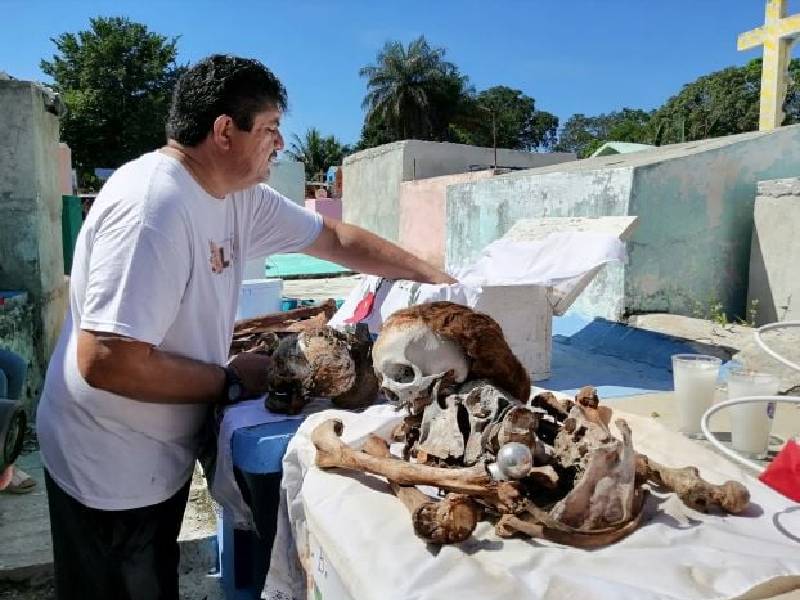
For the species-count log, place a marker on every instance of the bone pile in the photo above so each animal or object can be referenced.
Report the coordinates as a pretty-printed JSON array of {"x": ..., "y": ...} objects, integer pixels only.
[
  {"x": 258, "y": 333},
  {"x": 309, "y": 358},
  {"x": 542, "y": 468},
  {"x": 320, "y": 361}
]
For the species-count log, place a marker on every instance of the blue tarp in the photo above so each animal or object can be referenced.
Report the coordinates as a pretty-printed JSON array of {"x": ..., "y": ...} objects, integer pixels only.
[{"x": 616, "y": 359}]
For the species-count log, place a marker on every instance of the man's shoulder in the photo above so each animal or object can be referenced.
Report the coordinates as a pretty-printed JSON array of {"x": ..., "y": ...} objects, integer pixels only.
[
  {"x": 150, "y": 172},
  {"x": 146, "y": 190}
]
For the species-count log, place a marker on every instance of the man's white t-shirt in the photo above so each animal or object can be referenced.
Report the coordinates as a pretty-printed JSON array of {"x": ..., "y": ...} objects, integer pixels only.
[{"x": 158, "y": 260}]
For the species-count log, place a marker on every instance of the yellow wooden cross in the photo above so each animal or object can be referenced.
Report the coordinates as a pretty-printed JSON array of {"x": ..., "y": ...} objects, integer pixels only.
[{"x": 777, "y": 35}]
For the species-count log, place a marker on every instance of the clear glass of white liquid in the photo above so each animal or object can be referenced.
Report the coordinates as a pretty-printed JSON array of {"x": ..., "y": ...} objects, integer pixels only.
[
  {"x": 695, "y": 379},
  {"x": 751, "y": 423}
]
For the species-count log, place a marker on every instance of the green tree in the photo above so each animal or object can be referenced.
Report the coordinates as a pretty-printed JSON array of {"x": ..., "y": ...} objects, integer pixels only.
[
  {"x": 412, "y": 93},
  {"x": 317, "y": 152},
  {"x": 583, "y": 135},
  {"x": 722, "y": 103},
  {"x": 116, "y": 80},
  {"x": 374, "y": 132},
  {"x": 510, "y": 118}
]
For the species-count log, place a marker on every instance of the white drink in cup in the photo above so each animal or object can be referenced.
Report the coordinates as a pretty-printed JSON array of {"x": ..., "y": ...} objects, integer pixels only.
[
  {"x": 695, "y": 379},
  {"x": 751, "y": 423}
]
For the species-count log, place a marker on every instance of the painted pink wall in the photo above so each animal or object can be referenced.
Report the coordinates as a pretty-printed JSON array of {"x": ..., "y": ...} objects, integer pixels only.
[
  {"x": 423, "y": 205},
  {"x": 327, "y": 207}
]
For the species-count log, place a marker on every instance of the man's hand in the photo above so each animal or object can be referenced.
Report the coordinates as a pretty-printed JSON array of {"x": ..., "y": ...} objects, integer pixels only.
[
  {"x": 442, "y": 277},
  {"x": 253, "y": 369}
]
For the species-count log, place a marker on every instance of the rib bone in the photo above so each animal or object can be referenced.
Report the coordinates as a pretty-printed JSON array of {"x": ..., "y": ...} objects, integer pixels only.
[{"x": 538, "y": 524}]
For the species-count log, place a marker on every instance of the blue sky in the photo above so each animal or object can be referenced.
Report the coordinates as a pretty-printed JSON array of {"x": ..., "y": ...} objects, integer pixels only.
[{"x": 588, "y": 56}]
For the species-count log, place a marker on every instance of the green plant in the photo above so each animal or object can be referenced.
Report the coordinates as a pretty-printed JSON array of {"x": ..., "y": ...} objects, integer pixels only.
[
  {"x": 714, "y": 311},
  {"x": 717, "y": 314}
]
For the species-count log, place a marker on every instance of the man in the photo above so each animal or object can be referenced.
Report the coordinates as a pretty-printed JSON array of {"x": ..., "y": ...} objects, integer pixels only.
[{"x": 154, "y": 288}]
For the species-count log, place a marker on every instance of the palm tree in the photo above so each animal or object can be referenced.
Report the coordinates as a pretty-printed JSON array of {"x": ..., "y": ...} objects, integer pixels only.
[
  {"x": 317, "y": 152},
  {"x": 412, "y": 91}
]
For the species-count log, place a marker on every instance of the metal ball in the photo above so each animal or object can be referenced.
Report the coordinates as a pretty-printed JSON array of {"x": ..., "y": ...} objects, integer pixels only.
[{"x": 515, "y": 460}]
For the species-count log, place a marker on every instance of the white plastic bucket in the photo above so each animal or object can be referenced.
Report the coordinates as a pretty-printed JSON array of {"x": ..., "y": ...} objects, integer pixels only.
[{"x": 259, "y": 297}]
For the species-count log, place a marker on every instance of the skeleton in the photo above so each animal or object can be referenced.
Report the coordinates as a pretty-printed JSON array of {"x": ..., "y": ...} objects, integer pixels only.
[
  {"x": 424, "y": 350},
  {"x": 585, "y": 486}
]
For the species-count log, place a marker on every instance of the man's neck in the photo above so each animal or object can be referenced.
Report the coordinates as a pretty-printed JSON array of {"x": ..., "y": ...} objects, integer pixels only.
[{"x": 200, "y": 166}]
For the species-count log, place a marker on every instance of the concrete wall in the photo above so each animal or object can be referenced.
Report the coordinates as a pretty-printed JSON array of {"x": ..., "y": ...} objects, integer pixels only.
[
  {"x": 288, "y": 177},
  {"x": 31, "y": 254},
  {"x": 327, "y": 207},
  {"x": 694, "y": 201},
  {"x": 423, "y": 214},
  {"x": 774, "y": 274},
  {"x": 371, "y": 189},
  {"x": 481, "y": 212},
  {"x": 372, "y": 178}
]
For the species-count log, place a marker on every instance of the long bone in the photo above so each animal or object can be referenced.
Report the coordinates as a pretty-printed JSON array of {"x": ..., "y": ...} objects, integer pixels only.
[
  {"x": 693, "y": 490},
  {"x": 448, "y": 521},
  {"x": 502, "y": 496}
]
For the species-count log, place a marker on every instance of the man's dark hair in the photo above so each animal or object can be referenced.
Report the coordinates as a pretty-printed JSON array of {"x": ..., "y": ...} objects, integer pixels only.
[{"x": 221, "y": 85}]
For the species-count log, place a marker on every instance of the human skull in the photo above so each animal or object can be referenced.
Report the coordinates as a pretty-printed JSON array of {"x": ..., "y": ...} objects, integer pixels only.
[{"x": 410, "y": 359}]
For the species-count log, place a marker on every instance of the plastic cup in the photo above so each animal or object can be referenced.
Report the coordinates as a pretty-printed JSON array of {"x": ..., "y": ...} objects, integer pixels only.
[
  {"x": 695, "y": 381},
  {"x": 751, "y": 423}
]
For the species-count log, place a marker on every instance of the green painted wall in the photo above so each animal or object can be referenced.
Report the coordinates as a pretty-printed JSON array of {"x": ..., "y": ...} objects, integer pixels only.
[{"x": 695, "y": 207}]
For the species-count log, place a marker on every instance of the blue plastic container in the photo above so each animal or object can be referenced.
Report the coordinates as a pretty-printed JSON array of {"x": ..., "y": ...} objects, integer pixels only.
[{"x": 289, "y": 304}]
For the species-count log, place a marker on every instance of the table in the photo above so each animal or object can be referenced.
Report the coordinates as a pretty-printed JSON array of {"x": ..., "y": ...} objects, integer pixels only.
[{"x": 257, "y": 454}]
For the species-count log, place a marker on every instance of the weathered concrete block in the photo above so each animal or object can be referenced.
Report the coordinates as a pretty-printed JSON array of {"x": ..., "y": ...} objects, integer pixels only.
[
  {"x": 372, "y": 178},
  {"x": 288, "y": 177},
  {"x": 31, "y": 253},
  {"x": 423, "y": 214},
  {"x": 774, "y": 275},
  {"x": 695, "y": 207},
  {"x": 525, "y": 316}
]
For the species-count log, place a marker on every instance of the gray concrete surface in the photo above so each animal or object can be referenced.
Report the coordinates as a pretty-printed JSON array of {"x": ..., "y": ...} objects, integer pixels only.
[
  {"x": 774, "y": 252},
  {"x": 288, "y": 177},
  {"x": 732, "y": 341},
  {"x": 31, "y": 253}
]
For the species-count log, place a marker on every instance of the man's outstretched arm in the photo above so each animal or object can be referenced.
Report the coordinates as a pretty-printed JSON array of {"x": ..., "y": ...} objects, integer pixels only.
[{"x": 365, "y": 252}]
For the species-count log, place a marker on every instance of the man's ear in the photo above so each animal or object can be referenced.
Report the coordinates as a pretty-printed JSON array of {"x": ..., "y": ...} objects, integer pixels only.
[{"x": 221, "y": 131}]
